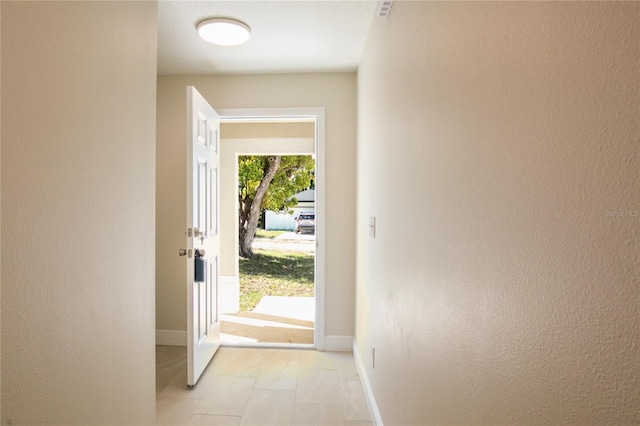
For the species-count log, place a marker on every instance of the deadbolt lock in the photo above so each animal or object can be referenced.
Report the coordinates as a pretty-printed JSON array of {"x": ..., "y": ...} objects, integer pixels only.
[{"x": 197, "y": 233}]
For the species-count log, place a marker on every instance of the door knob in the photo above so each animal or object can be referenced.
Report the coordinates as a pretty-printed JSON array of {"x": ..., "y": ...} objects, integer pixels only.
[
  {"x": 199, "y": 234},
  {"x": 182, "y": 252}
]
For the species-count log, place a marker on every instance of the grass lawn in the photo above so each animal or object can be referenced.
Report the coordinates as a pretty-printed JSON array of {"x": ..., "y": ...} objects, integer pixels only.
[
  {"x": 262, "y": 233},
  {"x": 275, "y": 273}
]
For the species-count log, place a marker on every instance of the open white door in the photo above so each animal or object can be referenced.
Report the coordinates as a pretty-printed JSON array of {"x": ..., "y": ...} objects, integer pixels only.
[{"x": 203, "y": 239}]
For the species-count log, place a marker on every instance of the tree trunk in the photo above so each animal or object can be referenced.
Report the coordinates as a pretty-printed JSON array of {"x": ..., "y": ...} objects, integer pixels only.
[{"x": 250, "y": 208}]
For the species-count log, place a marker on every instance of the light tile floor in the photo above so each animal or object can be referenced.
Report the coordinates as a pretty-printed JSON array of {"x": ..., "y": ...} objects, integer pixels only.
[{"x": 245, "y": 386}]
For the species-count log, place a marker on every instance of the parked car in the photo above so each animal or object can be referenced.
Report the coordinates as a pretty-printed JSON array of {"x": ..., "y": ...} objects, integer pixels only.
[{"x": 306, "y": 222}]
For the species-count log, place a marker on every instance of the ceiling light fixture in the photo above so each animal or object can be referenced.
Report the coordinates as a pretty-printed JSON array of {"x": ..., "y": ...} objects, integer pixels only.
[{"x": 224, "y": 31}]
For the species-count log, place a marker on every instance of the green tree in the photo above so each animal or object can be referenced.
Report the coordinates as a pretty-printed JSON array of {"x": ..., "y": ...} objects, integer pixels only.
[{"x": 268, "y": 182}]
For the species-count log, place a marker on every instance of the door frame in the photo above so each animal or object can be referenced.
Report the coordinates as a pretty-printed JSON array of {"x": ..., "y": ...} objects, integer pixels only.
[{"x": 318, "y": 115}]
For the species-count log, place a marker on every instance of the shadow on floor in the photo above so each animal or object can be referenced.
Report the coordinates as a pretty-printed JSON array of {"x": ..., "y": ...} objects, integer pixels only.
[{"x": 245, "y": 327}]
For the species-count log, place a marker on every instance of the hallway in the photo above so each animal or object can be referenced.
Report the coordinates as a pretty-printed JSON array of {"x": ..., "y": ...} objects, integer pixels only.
[{"x": 261, "y": 386}]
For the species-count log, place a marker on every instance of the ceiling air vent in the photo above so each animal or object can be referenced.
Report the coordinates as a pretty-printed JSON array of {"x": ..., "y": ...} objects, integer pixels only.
[{"x": 385, "y": 7}]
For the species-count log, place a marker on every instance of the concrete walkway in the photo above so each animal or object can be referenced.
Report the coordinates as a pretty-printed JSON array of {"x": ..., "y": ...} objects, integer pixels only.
[
  {"x": 288, "y": 241},
  {"x": 276, "y": 319},
  {"x": 292, "y": 236}
]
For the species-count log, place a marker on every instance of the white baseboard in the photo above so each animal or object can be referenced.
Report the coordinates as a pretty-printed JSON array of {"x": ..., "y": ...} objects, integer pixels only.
[
  {"x": 338, "y": 343},
  {"x": 171, "y": 337},
  {"x": 366, "y": 387}
]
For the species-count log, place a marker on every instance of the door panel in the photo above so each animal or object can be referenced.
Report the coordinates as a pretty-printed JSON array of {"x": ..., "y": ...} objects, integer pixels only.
[{"x": 203, "y": 323}]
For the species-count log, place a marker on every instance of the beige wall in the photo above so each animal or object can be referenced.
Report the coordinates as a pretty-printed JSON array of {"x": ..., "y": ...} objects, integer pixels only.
[
  {"x": 245, "y": 130},
  {"x": 78, "y": 171},
  {"x": 337, "y": 93},
  {"x": 510, "y": 131}
]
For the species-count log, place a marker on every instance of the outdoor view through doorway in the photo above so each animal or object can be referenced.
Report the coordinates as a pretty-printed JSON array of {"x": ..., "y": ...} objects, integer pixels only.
[{"x": 276, "y": 240}]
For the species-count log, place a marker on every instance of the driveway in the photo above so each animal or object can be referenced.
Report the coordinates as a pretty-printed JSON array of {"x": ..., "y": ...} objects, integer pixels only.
[{"x": 288, "y": 241}]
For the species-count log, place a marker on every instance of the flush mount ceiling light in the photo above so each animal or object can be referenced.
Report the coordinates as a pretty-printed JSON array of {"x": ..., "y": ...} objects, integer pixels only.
[{"x": 224, "y": 31}]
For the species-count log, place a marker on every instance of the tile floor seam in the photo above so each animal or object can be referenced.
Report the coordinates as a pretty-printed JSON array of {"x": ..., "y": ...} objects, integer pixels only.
[{"x": 343, "y": 403}]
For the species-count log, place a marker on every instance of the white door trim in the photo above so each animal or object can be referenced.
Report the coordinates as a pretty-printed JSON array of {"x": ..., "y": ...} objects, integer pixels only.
[{"x": 252, "y": 114}]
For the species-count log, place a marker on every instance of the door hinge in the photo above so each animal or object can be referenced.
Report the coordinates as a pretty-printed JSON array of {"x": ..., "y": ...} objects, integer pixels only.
[{"x": 189, "y": 232}]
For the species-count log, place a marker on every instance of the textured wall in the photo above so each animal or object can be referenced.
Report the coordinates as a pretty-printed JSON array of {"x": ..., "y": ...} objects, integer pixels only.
[
  {"x": 78, "y": 171},
  {"x": 242, "y": 130},
  {"x": 511, "y": 131},
  {"x": 334, "y": 91}
]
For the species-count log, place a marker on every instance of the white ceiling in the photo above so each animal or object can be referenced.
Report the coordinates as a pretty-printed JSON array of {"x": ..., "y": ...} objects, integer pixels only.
[{"x": 286, "y": 36}]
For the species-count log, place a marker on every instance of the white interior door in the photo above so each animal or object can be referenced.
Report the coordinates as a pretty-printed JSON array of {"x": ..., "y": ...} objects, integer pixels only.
[{"x": 203, "y": 239}]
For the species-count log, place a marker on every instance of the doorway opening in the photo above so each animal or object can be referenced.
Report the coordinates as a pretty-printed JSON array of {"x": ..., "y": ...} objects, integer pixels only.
[
  {"x": 277, "y": 244},
  {"x": 278, "y": 317}
]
